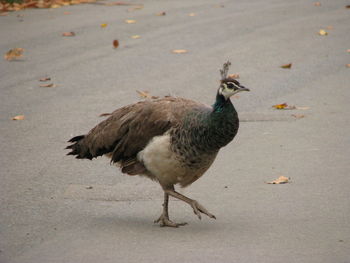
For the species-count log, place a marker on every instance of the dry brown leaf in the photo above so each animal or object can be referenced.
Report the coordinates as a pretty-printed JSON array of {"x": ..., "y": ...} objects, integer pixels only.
[
  {"x": 348, "y": 65},
  {"x": 115, "y": 43},
  {"x": 50, "y": 85},
  {"x": 233, "y": 76},
  {"x": 347, "y": 6},
  {"x": 161, "y": 14},
  {"x": 192, "y": 14},
  {"x": 105, "y": 114},
  {"x": 287, "y": 65},
  {"x": 103, "y": 25},
  {"x": 317, "y": 4},
  {"x": 322, "y": 32},
  {"x": 68, "y": 34},
  {"x": 135, "y": 37},
  {"x": 130, "y": 21},
  {"x": 14, "y": 53},
  {"x": 179, "y": 51},
  {"x": 284, "y": 106},
  {"x": 146, "y": 95},
  {"x": 18, "y": 118},
  {"x": 298, "y": 116},
  {"x": 280, "y": 180},
  {"x": 45, "y": 79}
]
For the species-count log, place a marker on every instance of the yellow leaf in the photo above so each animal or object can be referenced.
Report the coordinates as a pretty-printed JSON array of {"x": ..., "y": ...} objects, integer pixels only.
[
  {"x": 179, "y": 51},
  {"x": 18, "y": 118},
  {"x": 280, "y": 180},
  {"x": 322, "y": 33},
  {"x": 233, "y": 76},
  {"x": 135, "y": 37},
  {"x": 14, "y": 53},
  {"x": 287, "y": 65},
  {"x": 103, "y": 25},
  {"x": 130, "y": 21}
]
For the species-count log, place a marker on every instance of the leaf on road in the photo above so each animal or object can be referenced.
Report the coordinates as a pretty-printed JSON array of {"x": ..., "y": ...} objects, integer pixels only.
[
  {"x": 322, "y": 32},
  {"x": 118, "y": 3},
  {"x": 179, "y": 51},
  {"x": 68, "y": 34},
  {"x": 233, "y": 76},
  {"x": 161, "y": 14},
  {"x": 298, "y": 116},
  {"x": 287, "y": 65},
  {"x": 14, "y": 53},
  {"x": 146, "y": 95},
  {"x": 130, "y": 21},
  {"x": 284, "y": 106},
  {"x": 45, "y": 79},
  {"x": 317, "y": 4},
  {"x": 103, "y": 25},
  {"x": 347, "y": 6},
  {"x": 115, "y": 43},
  {"x": 18, "y": 118},
  {"x": 192, "y": 14},
  {"x": 348, "y": 65},
  {"x": 280, "y": 180},
  {"x": 135, "y": 37},
  {"x": 50, "y": 85}
]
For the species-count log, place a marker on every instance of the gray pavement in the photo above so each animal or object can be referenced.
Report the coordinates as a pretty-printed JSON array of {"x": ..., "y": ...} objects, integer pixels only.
[{"x": 47, "y": 214}]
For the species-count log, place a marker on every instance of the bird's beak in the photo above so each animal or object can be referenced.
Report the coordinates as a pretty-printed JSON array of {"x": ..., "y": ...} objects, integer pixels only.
[{"x": 242, "y": 88}]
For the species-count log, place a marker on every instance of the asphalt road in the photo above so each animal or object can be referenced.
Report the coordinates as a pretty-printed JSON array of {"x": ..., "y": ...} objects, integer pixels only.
[{"x": 49, "y": 214}]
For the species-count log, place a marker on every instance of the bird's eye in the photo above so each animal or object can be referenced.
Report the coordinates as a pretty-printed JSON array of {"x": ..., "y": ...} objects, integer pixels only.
[{"x": 230, "y": 85}]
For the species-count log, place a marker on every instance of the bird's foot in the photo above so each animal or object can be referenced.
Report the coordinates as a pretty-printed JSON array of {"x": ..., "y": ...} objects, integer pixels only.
[
  {"x": 198, "y": 209},
  {"x": 164, "y": 220}
]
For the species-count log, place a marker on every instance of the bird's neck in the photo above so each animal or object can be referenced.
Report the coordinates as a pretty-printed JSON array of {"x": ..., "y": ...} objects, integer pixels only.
[{"x": 222, "y": 104}]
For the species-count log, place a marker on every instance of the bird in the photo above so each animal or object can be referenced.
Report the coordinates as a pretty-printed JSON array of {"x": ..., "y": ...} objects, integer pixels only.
[{"x": 170, "y": 140}]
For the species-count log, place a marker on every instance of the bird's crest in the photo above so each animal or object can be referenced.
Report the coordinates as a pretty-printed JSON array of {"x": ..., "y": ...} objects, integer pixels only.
[{"x": 224, "y": 70}]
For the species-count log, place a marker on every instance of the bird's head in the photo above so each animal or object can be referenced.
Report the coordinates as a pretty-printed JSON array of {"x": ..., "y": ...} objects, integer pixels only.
[{"x": 230, "y": 87}]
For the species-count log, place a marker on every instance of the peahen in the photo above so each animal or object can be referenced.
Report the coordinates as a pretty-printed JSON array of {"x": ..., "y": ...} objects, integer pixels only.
[{"x": 170, "y": 140}]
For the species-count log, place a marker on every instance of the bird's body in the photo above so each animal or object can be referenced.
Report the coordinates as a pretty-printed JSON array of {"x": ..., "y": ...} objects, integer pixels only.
[{"x": 170, "y": 140}]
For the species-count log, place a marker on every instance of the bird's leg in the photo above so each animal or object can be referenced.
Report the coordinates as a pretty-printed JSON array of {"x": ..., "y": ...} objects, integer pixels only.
[
  {"x": 197, "y": 208},
  {"x": 164, "y": 220}
]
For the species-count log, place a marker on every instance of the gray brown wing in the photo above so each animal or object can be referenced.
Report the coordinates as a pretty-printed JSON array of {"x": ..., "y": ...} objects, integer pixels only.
[{"x": 128, "y": 130}]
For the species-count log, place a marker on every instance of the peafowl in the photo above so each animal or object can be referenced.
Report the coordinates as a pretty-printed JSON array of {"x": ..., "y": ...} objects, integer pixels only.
[{"x": 171, "y": 140}]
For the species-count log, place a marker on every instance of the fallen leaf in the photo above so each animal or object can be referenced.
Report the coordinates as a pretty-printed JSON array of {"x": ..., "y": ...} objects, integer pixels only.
[
  {"x": 287, "y": 65},
  {"x": 298, "y": 116},
  {"x": 322, "y": 33},
  {"x": 135, "y": 37},
  {"x": 192, "y": 14},
  {"x": 105, "y": 114},
  {"x": 14, "y": 53},
  {"x": 284, "y": 106},
  {"x": 146, "y": 95},
  {"x": 161, "y": 14},
  {"x": 348, "y": 65},
  {"x": 130, "y": 21},
  {"x": 347, "y": 6},
  {"x": 18, "y": 118},
  {"x": 280, "y": 180},
  {"x": 233, "y": 76},
  {"x": 115, "y": 43},
  {"x": 179, "y": 51},
  {"x": 103, "y": 25},
  {"x": 317, "y": 4},
  {"x": 118, "y": 3},
  {"x": 68, "y": 34},
  {"x": 45, "y": 79},
  {"x": 50, "y": 85}
]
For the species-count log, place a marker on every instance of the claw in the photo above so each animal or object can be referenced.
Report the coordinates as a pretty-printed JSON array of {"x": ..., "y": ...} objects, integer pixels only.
[
  {"x": 198, "y": 208},
  {"x": 165, "y": 221}
]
